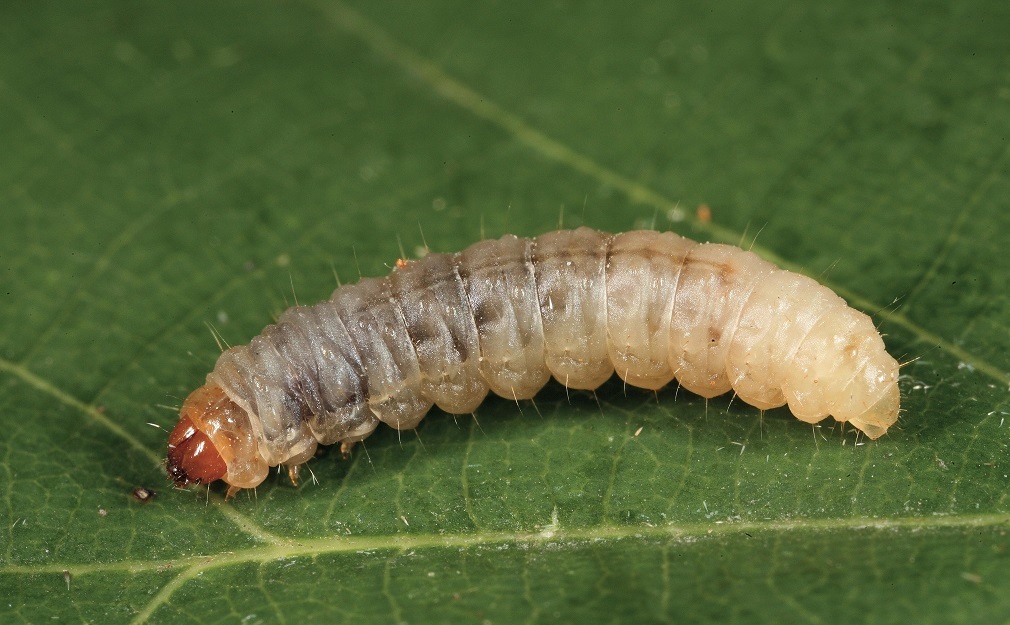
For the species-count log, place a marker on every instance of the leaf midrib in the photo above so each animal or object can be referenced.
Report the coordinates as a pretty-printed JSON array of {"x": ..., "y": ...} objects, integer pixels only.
[{"x": 274, "y": 548}]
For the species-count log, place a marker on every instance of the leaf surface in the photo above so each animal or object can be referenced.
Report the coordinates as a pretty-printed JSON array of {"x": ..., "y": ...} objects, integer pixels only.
[{"x": 173, "y": 166}]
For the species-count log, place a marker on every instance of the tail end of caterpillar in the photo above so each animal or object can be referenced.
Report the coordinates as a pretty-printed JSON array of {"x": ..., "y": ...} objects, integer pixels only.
[{"x": 880, "y": 416}]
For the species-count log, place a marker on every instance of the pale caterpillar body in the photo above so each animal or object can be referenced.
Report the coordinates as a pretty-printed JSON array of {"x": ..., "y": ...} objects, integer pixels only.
[{"x": 505, "y": 315}]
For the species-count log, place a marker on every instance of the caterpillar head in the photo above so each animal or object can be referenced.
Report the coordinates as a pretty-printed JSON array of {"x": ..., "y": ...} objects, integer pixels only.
[{"x": 213, "y": 441}]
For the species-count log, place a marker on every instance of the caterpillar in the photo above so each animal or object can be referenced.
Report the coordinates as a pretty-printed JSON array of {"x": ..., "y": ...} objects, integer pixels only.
[{"x": 504, "y": 316}]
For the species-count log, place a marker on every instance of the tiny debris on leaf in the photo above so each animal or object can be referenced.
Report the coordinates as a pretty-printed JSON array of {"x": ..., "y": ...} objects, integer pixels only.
[{"x": 143, "y": 494}]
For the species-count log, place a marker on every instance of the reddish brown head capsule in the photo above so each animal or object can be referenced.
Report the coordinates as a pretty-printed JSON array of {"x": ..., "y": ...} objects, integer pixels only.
[
  {"x": 214, "y": 441},
  {"x": 192, "y": 457}
]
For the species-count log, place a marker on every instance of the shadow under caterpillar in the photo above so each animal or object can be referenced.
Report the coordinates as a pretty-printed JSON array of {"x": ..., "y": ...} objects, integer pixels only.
[{"x": 507, "y": 314}]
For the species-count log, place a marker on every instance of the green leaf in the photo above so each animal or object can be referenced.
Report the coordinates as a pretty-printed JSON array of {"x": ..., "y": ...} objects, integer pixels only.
[{"x": 172, "y": 166}]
